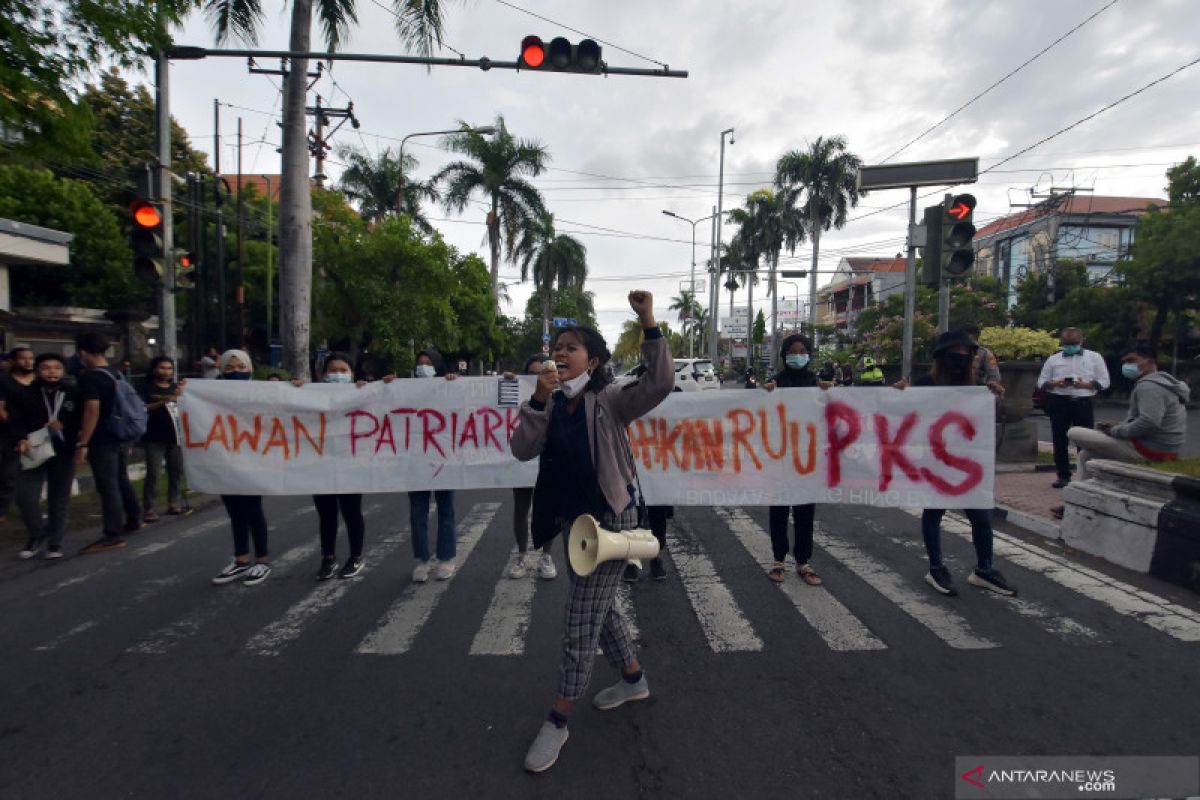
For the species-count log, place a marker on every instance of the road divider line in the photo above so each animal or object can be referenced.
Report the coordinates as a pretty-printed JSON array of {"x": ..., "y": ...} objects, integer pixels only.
[
  {"x": 406, "y": 617},
  {"x": 833, "y": 622},
  {"x": 725, "y": 626},
  {"x": 945, "y": 624}
]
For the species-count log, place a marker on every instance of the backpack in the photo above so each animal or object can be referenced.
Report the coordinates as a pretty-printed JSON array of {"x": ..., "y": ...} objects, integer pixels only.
[{"x": 127, "y": 421}]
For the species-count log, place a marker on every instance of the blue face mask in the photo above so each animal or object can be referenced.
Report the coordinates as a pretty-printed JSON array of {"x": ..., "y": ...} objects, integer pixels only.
[
  {"x": 339, "y": 377},
  {"x": 1130, "y": 371},
  {"x": 797, "y": 361},
  {"x": 1072, "y": 349},
  {"x": 236, "y": 376}
]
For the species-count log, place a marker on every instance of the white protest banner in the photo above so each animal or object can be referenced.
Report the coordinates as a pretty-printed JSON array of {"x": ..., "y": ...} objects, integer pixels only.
[{"x": 923, "y": 447}]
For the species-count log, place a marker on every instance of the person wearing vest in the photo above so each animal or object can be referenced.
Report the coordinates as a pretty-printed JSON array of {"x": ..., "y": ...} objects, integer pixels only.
[
  {"x": 1070, "y": 378},
  {"x": 869, "y": 373}
]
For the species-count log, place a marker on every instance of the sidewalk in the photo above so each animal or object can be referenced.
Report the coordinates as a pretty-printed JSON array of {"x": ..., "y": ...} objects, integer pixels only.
[{"x": 1025, "y": 500}]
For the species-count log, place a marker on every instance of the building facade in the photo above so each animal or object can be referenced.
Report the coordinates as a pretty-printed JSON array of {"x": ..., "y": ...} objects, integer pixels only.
[{"x": 859, "y": 283}]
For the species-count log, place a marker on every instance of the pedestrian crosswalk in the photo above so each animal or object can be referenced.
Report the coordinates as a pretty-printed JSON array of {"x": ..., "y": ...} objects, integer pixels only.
[{"x": 855, "y": 611}]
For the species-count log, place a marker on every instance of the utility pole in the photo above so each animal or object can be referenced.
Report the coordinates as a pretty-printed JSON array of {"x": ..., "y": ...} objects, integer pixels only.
[
  {"x": 222, "y": 341},
  {"x": 166, "y": 314},
  {"x": 318, "y": 141},
  {"x": 241, "y": 246},
  {"x": 712, "y": 337}
]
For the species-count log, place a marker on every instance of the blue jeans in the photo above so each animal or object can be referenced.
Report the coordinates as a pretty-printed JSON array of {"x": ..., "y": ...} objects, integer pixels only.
[
  {"x": 981, "y": 535},
  {"x": 418, "y": 516}
]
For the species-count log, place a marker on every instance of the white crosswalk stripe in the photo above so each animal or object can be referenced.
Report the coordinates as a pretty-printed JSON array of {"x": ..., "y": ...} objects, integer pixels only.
[
  {"x": 271, "y": 640},
  {"x": 725, "y": 626},
  {"x": 1162, "y": 615},
  {"x": 835, "y": 623},
  {"x": 408, "y": 615},
  {"x": 508, "y": 615},
  {"x": 947, "y": 625}
]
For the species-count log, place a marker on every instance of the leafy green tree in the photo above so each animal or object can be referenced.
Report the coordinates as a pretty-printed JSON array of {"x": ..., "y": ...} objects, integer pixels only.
[
  {"x": 101, "y": 270},
  {"x": 498, "y": 168},
  {"x": 48, "y": 49},
  {"x": 478, "y": 334},
  {"x": 1183, "y": 183},
  {"x": 1037, "y": 291},
  {"x": 376, "y": 184},
  {"x": 760, "y": 328}
]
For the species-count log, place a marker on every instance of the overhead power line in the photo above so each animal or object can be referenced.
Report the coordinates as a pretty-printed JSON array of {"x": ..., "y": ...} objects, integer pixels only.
[{"x": 581, "y": 33}]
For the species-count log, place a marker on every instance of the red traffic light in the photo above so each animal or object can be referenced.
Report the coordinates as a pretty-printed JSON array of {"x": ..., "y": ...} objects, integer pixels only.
[
  {"x": 145, "y": 214},
  {"x": 533, "y": 52},
  {"x": 961, "y": 207},
  {"x": 185, "y": 261}
]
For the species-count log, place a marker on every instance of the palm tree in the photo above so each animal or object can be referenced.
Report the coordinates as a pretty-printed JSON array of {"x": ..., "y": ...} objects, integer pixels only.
[
  {"x": 689, "y": 313},
  {"x": 419, "y": 26},
  {"x": 498, "y": 169},
  {"x": 553, "y": 259},
  {"x": 827, "y": 173},
  {"x": 377, "y": 184},
  {"x": 781, "y": 225}
]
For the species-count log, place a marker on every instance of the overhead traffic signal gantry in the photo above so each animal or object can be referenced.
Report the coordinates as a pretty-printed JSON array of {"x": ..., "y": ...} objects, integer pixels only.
[{"x": 561, "y": 55}]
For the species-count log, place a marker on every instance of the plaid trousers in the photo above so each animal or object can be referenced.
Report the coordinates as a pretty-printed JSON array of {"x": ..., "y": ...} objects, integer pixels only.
[{"x": 592, "y": 618}]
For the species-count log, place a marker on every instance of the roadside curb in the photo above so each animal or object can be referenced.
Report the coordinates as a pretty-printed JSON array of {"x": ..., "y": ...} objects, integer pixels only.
[{"x": 1030, "y": 523}]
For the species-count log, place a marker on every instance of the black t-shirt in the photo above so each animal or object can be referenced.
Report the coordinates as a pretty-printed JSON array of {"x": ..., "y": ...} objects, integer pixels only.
[
  {"x": 10, "y": 390},
  {"x": 159, "y": 425},
  {"x": 94, "y": 386}
]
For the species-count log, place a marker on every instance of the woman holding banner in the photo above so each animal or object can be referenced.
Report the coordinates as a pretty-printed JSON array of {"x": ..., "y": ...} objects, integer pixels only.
[
  {"x": 796, "y": 353},
  {"x": 576, "y": 422},
  {"x": 245, "y": 511},
  {"x": 339, "y": 368},
  {"x": 953, "y": 365},
  {"x": 430, "y": 364}
]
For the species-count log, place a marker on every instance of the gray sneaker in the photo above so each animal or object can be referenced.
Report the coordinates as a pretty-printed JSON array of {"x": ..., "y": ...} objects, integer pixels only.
[
  {"x": 544, "y": 750},
  {"x": 620, "y": 693}
]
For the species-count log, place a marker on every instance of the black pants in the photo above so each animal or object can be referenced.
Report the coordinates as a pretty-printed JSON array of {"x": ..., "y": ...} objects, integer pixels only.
[
  {"x": 118, "y": 503},
  {"x": 522, "y": 502},
  {"x": 327, "y": 514},
  {"x": 1066, "y": 413},
  {"x": 658, "y": 525},
  {"x": 10, "y": 469},
  {"x": 804, "y": 531},
  {"x": 56, "y": 475},
  {"x": 247, "y": 520}
]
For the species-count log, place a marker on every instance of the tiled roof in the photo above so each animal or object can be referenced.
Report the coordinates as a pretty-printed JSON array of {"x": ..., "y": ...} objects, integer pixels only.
[
  {"x": 259, "y": 182},
  {"x": 1074, "y": 205}
]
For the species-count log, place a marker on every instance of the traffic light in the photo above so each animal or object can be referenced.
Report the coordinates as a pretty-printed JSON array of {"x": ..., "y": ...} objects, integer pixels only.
[
  {"x": 185, "y": 269},
  {"x": 561, "y": 56},
  {"x": 957, "y": 255},
  {"x": 146, "y": 240},
  {"x": 931, "y": 253}
]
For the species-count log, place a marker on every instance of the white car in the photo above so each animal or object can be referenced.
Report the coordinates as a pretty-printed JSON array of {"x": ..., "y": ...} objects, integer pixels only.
[{"x": 695, "y": 375}]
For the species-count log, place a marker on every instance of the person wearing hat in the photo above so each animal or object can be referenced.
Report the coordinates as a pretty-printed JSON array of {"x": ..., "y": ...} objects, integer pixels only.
[
  {"x": 954, "y": 365},
  {"x": 796, "y": 353}
]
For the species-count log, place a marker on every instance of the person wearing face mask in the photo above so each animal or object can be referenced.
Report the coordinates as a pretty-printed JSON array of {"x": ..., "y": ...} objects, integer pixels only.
[
  {"x": 954, "y": 365},
  {"x": 160, "y": 444},
  {"x": 430, "y": 364},
  {"x": 523, "y": 500},
  {"x": 13, "y": 384},
  {"x": 51, "y": 404},
  {"x": 1155, "y": 428},
  {"x": 1071, "y": 377},
  {"x": 338, "y": 369},
  {"x": 796, "y": 352},
  {"x": 576, "y": 423},
  {"x": 246, "y": 518}
]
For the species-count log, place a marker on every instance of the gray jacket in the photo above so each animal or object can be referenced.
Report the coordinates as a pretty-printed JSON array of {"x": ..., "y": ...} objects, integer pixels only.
[
  {"x": 612, "y": 409},
  {"x": 1157, "y": 413}
]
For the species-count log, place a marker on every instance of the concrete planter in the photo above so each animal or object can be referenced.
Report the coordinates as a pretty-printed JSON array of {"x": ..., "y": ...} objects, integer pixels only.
[
  {"x": 1020, "y": 380},
  {"x": 1138, "y": 518}
]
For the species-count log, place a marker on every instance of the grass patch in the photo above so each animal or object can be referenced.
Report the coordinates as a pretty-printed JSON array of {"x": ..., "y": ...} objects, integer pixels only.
[{"x": 1184, "y": 466}]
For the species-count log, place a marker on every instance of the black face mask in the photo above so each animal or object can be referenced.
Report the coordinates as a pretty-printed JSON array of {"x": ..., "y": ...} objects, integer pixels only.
[{"x": 956, "y": 364}]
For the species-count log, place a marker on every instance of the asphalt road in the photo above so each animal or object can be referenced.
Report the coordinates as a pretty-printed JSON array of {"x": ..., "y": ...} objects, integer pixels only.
[{"x": 127, "y": 674}]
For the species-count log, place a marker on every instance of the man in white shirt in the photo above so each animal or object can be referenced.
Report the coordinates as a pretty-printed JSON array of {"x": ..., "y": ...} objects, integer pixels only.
[{"x": 1071, "y": 378}]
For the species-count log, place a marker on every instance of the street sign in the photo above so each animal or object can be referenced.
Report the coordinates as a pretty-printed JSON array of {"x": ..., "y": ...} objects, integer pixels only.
[
  {"x": 919, "y": 173},
  {"x": 735, "y": 328},
  {"x": 794, "y": 273},
  {"x": 545, "y": 337},
  {"x": 741, "y": 312},
  {"x": 563, "y": 322},
  {"x": 685, "y": 286}
]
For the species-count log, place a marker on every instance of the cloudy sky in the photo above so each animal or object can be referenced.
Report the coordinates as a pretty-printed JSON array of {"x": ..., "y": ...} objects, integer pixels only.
[{"x": 879, "y": 72}]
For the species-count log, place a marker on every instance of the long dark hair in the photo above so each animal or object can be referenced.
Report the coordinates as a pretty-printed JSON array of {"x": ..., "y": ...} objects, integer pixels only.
[
  {"x": 942, "y": 377},
  {"x": 597, "y": 348}
]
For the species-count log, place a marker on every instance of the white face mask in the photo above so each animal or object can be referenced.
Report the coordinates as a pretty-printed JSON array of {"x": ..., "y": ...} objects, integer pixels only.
[
  {"x": 425, "y": 371},
  {"x": 576, "y": 385},
  {"x": 339, "y": 377}
]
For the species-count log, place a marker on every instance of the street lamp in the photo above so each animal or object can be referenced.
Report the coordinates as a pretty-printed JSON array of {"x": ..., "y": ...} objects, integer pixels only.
[
  {"x": 688, "y": 309},
  {"x": 486, "y": 130},
  {"x": 716, "y": 252}
]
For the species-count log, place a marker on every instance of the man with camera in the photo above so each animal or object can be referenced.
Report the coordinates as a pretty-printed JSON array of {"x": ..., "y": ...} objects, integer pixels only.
[{"x": 1071, "y": 377}]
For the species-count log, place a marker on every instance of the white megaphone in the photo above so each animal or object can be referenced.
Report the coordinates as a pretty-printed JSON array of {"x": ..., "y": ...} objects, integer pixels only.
[{"x": 588, "y": 544}]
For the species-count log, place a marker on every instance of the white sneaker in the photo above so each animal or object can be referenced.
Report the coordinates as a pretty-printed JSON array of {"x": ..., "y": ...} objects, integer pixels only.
[
  {"x": 420, "y": 572},
  {"x": 444, "y": 570},
  {"x": 32, "y": 548},
  {"x": 518, "y": 568},
  {"x": 546, "y": 569}
]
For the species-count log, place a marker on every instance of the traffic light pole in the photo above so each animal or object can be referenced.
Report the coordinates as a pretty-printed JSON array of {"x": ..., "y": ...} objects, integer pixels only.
[
  {"x": 943, "y": 323},
  {"x": 910, "y": 284},
  {"x": 166, "y": 315}
]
